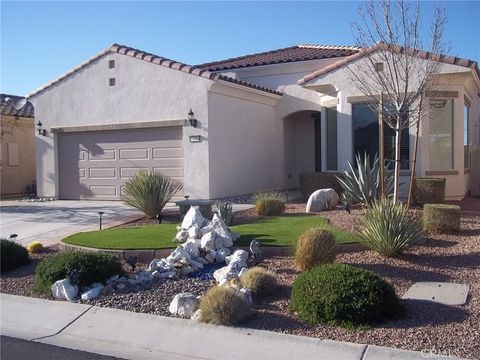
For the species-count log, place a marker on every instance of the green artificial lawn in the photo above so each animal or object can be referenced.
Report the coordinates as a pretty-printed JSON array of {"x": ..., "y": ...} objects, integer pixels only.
[{"x": 272, "y": 231}]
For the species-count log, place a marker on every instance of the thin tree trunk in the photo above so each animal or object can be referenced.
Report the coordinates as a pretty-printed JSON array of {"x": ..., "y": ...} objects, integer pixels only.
[
  {"x": 381, "y": 149},
  {"x": 396, "y": 182},
  {"x": 414, "y": 161}
]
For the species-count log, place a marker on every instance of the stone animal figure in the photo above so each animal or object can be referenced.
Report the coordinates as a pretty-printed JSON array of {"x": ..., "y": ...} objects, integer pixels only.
[{"x": 256, "y": 252}]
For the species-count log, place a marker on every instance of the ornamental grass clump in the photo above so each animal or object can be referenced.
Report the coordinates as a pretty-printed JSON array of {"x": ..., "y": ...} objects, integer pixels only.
[
  {"x": 270, "y": 202},
  {"x": 223, "y": 306},
  {"x": 388, "y": 228},
  {"x": 315, "y": 247},
  {"x": 441, "y": 218},
  {"x": 339, "y": 294},
  {"x": 13, "y": 255},
  {"x": 260, "y": 280},
  {"x": 149, "y": 192},
  {"x": 89, "y": 268}
]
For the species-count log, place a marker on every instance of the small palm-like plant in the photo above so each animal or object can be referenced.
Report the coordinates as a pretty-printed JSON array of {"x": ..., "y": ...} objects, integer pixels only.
[
  {"x": 389, "y": 228},
  {"x": 225, "y": 211},
  {"x": 149, "y": 191},
  {"x": 361, "y": 183}
]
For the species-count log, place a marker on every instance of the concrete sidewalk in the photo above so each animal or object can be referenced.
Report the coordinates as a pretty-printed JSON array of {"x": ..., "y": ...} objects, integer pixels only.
[{"x": 132, "y": 335}]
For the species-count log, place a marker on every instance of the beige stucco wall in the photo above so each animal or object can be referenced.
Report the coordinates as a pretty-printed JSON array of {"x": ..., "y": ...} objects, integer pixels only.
[
  {"x": 143, "y": 92},
  {"x": 245, "y": 143},
  {"x": 15, "y": 178},
  {"x": 454, "y": 78}
]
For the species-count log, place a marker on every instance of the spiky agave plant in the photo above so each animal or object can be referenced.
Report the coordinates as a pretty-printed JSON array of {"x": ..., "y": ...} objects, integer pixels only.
[
  {"x": 389, "y": 228},
  {"x": 149, "y": 191},
  {"x": 361, "y": 183},
  {"x": 224, "y": 209}
]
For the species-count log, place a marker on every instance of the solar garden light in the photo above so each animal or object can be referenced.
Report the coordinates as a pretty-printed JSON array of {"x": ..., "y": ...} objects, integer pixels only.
[
  {"x": 132, "y": 261},
  {"x": 100, "y": 213},
  {"x": 159, "y": 218}
]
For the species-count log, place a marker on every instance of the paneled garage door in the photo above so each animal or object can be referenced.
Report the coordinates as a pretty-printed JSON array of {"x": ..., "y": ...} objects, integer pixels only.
[{"x": 96, "y": 164}]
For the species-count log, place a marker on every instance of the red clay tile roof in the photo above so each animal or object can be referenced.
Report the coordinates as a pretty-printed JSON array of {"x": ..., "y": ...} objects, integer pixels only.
[
  {"x": 145, "y": 56},
  {"x": 6, "y": 107},
  {"x": 421, "y": 54},
  {"x": 279, "y": 56}
]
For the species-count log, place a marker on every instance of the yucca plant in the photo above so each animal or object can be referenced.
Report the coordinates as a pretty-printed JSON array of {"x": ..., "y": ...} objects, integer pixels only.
[
  {"x": 361, "y": 183},
  {"x": 389, "y": 228},
  {"x": 225, "y": 211},
  {"x": 149, "y": 191}
]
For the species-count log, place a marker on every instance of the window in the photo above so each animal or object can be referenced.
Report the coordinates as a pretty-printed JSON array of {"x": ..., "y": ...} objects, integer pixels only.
[
  {"x": 331, "y": 138},
  {"x": 441, "y": 134},
  {"x": 111, "y": 82},
  {"x": 366, "y": 137},
  {"x": 466, "y": 150},
  {"x": 111, "y": 64}
]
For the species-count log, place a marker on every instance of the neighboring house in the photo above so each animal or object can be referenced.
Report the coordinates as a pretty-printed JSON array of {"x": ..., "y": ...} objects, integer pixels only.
[
  {"x": 262, "y": 120},
  {"x": 17, "y": 154}
]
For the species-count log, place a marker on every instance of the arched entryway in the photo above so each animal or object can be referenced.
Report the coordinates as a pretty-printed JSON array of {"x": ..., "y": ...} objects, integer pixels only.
[{"x": 302, "y": 143}]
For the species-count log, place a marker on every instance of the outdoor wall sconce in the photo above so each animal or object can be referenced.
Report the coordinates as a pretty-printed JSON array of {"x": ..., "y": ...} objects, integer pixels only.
[
  {"x": 191, "y": 119},
  {"x": 40, "y": 129},
  {"x": 195, "y": 138}
]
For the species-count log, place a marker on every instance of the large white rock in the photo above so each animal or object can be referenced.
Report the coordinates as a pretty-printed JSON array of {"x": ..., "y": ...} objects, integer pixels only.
[
  {"x": 178, "y": 254},
  {"x": 184, "y": 305},
  {"x": 237, "y": 260},
  {"x": 64, "y": 290},
  {"x": 191, "y": 248},
  {"x": 192, "y": 217},
  {"x": 181, "y": 236},
  {"x": 193, "y": 231},
  {"x": 92, "y": 293},
  {"x": 224, "y": 274},
  {"x": 208, "y": 241},
  {"x": 218, "y": 226},
  {"x": 321, "y": 200}
]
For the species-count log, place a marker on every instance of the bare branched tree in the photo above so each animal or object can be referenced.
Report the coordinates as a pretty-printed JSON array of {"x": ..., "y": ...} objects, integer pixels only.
[{"x": 393, "y": 66}]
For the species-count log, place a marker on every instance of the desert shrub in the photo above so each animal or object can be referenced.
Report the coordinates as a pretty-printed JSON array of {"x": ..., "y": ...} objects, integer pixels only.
[
  {"x": 311, "y": 181},
  {"x": 270, "y": 202},
  {"x": 34, "y": 247},
  {"x": 389, "y": 228},
  {"x": 339, "y": 294},
  {"x": 361, "y": 183},
  {"x": 13, "y": 255},
  {"x": 315, "y": 247},
  {"x": 441, "y": 217},
  {"x": 223, "y": 306},
  {"x": 149, "y": 192},
  {"x": 225, "y": 211},
  {"x": 90, "y": 268},
  {"x": 260, "y": 280},
  {"x": 429, "y": 190}
]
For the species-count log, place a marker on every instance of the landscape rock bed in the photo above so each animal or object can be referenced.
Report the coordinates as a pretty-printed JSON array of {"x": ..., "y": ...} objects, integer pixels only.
[{"x": 427, "y": 327}]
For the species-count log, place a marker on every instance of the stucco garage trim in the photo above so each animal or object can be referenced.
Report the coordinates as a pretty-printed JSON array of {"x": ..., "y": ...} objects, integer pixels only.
[{"x": 122, "y": 126}]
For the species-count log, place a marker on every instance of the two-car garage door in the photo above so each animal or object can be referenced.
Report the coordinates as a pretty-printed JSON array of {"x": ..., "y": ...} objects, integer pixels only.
[{"x": 96, "y": 164}]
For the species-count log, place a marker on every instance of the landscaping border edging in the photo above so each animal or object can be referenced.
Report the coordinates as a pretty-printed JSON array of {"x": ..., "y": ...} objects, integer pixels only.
[{"x": 148, "y": 255}]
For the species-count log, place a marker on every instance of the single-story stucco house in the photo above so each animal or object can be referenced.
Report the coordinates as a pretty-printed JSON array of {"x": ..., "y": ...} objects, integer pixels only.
[
  {"x": 262, "y": 119},
  {"x": 17, "y": 150}
]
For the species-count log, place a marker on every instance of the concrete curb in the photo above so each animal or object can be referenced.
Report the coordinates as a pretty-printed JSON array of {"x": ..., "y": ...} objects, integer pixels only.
[
  {"x": 109, "y": 332},
  {"x": 148, "y": 255}
]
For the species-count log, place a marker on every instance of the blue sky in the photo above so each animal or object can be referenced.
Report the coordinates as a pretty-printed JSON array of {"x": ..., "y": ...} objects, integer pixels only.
[{"x": 42, "y": 40}]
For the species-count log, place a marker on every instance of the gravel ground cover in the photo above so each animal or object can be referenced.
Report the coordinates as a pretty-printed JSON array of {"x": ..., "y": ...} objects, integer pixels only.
[{"x": 428, "y": 326}]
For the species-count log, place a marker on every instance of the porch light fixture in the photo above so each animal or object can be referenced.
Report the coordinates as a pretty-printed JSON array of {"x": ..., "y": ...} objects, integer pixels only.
[
  {"x": 40, "y": 129},
  {"x": 191, "y": 119}
]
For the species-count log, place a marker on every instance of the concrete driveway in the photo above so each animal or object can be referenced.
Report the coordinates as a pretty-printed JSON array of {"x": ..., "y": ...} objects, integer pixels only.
[{"x": 50, "y": 222}]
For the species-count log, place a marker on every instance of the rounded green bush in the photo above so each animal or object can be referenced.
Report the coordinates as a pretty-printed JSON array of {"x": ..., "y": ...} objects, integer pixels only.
[
  {"x": 441, "y": 217},
  {"x": 91, "y": 267},
  {"x": 13, "y": 255},
  {"x": 315, "y": 247},
  {"x": 339, "y": 294},
  {"x": 269, "y": 207}
]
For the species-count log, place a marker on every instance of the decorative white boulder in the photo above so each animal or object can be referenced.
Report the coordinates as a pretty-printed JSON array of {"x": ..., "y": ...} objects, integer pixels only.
[
  {"x": 237, "y": 260},
  {"x": 191, "y": 248},
  {"x": 92, "y": 293},
  {"x": 218, "y": 226},
  {"x": 208, "y": 241},
  {"x": 192, "y": 217},
  {"x": 181, "y": 236},
  {"x": 321, "y": 200},
  {"x": 196, "y": 315},
  {"x": 193, "y": 231},
  {"x": 178, "y": 254},
  {"x": 222, "y": 254},
  {"x": 224, "y": 274},
  {"x": 64, "y": 290},
  {"x": 144, "y": 276},
  {"x": 184, "y": 305}
]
